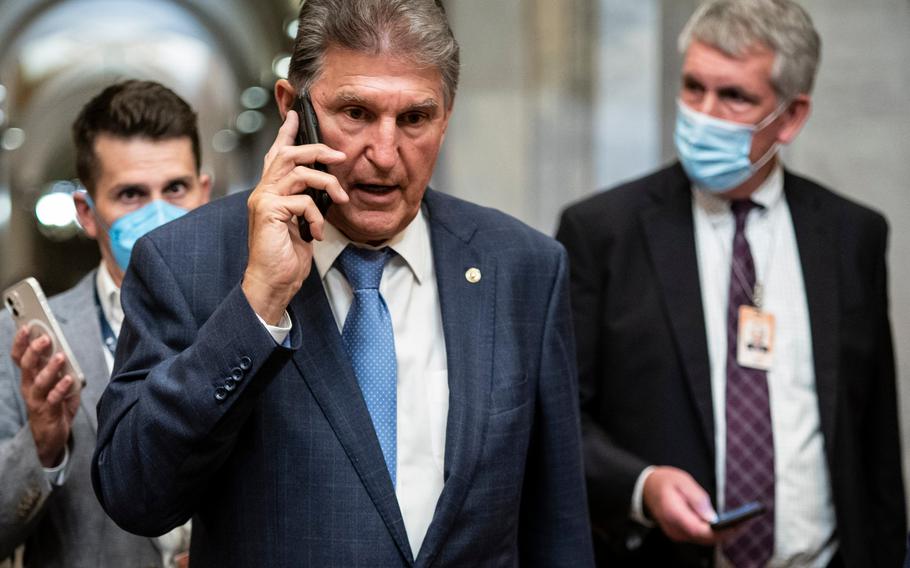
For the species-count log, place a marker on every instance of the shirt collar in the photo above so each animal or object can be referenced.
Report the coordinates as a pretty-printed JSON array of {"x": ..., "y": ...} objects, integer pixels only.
[
  {"x": 109, "y": 296},
  {"x": 412, "y": 244},
  {"x": 768, "y": 195}
]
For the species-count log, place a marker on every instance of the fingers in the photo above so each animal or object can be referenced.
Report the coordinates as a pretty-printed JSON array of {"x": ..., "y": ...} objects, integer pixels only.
[
  {"x": 35, "y": 352},
  {"x": 295, "y": 208},
  {"x": 680, "y": 505},
  {"x": 288, "y": 200},
  {"x": 60, "y": 391},
  {"x": 697, "y": 499},
  {"x": 20, "y": 344},
  {"x": 695, "y": 514},
  {"x": 286, "y": 159},
  {"x": 309, "y": 213},
  {"x": 284, "y": 156},
  {"x": 683, "y": 524},
  {"x": 288, "y": 131},
  {"x": 301, "y": 178},
  {"x": 47, "y": 378}
]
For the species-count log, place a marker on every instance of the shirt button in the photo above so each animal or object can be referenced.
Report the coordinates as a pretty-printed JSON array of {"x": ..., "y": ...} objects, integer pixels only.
[
  {"x": 220, "y": 394},
  {"x": 245, "y": 362}
]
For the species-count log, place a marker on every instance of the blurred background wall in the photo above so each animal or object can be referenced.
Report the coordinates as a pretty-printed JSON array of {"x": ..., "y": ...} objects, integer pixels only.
[{"x": 559, "y": 98}]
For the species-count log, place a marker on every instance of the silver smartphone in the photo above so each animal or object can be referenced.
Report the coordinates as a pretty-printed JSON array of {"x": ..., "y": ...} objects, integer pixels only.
[{"x": 26, "y": 303}]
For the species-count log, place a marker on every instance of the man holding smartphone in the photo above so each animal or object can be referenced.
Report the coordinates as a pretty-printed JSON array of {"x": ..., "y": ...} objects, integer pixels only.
[
  {"x": 734, "y": 343},
  {"x": 137, "y": 155},
  {"x": 400, "y": 391}
]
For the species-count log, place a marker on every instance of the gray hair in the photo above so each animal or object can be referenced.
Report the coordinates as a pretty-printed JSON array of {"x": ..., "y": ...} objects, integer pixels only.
[
  {"x": 416, "y": 30},
  {"x": 736, "y": 26}
]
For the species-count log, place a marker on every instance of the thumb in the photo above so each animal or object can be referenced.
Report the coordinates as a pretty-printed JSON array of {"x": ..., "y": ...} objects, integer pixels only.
[
  {"x": 705, "y": 510},
  {"x": 698, "y": 500}
]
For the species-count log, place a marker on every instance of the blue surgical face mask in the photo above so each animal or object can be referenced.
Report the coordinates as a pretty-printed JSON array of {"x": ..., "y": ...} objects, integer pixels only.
[
  {"x": 126, "y": 230},
  {"x": 715, "y": 152}
]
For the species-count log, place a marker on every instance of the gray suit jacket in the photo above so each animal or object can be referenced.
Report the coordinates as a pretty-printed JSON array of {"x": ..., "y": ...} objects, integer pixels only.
[{"x": 60, "y": 526}]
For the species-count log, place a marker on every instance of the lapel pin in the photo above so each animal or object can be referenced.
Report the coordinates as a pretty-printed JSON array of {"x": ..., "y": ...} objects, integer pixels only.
[{"x": 472, "y": 275}]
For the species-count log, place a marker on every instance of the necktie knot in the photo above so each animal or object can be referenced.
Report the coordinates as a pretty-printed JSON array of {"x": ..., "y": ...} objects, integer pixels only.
[
  {"x": 740, "y": 209},
  {"x": 363, "y": 267}
]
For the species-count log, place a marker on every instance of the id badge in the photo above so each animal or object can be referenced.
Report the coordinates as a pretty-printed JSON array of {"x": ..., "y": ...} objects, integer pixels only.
[{"x": 755, "y": 340}]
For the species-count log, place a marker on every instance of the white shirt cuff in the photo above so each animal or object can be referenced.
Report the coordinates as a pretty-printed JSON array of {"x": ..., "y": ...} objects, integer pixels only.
[
  {"x": 637, "y": 511},
  {"x": 56, "y": 475},
  {"x": 281, "y": 331}
]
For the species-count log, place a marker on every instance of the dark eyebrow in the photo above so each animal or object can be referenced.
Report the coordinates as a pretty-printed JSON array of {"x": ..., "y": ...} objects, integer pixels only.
[
  {"x": 426, "y": 104},
  {"x": 350, "y": 97},
  {"x": 690, "y": 80},
  {"x": 739, "y": 92},
  {"x": 131, "y": 187}
]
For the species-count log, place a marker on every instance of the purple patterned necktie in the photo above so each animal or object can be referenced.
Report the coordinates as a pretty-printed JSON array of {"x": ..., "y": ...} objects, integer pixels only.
[{"x": 750, "y": 440}]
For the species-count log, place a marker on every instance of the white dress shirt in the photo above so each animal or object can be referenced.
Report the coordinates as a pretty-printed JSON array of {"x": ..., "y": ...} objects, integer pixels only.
[
  {"x": 804, "y": 520},
  {"x": 409, "y": 288},
  {"x": 109, "y": 297}
]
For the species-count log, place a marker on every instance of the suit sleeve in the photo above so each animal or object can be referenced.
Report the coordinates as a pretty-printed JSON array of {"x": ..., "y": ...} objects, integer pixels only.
[
  {"x": 610, "y": 471},
  {"x": 25, "y": 490},
  {"x": 554, "y": 529},
  {"x": 884, "y": 457},
  {"x": 167, "y": 422}
]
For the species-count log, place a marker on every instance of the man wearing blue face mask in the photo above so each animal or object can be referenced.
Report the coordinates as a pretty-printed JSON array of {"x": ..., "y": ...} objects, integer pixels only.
[
  {"x": 137, "y": 154},
  {"x": 732, "y": 324}
]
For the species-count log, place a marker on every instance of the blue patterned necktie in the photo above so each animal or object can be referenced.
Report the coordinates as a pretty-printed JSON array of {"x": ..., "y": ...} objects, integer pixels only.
[
  {"x": 750, "y": 440},
  {"x": 370, "y": 343}
]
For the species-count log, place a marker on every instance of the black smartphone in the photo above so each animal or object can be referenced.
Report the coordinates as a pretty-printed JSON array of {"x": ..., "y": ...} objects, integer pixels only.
[
  {"x": 733, "y": 517},
  {"x": 308, "y": 133}
]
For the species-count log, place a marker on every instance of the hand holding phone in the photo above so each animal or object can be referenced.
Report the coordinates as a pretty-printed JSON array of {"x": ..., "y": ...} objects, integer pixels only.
[
  {"x": 47, "y": 366},
  {"x": 279, "y": 260},
  {"x": 308, "y": 133},
  {"x": 737, "y": 516}
]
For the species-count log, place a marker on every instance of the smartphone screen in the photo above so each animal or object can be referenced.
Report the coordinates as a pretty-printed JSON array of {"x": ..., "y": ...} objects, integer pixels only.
[{"x": 308, "y": 133}]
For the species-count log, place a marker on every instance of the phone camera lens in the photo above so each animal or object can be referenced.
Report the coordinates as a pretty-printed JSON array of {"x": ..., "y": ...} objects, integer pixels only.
[{"x": 15, "y": 311}]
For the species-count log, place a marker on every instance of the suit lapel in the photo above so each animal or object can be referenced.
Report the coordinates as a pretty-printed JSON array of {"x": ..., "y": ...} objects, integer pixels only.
[
  {"x": 77, "y": 315},
  {"x": 323, "y": 362},
  {"x": 468, "y": 323},
  {"x": 815, "y": 232},
  {"x": 670, "y": 235}
]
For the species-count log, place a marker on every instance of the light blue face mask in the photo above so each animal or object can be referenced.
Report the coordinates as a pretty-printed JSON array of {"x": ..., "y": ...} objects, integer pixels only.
[
  {"x": 126, "y": 230},
  {"x": 715, "y": 152}
]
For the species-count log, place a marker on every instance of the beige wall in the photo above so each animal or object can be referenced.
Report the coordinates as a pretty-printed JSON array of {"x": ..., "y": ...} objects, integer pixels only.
[{"x": 858, "y": 138}]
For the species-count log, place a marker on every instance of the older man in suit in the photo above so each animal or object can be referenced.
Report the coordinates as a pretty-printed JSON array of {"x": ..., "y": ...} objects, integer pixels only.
[
  {"x": 137, "y": 154},
  {"x": 673, "y": 277},
  {"x": 397, "y": 392}
]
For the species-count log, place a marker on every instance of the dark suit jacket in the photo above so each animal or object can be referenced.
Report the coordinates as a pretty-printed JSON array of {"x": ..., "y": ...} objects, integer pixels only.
[
  {"x": 644, "y": 371},
  {"x": 287, "y": 470},
  {"x": 61, "y": 526}
]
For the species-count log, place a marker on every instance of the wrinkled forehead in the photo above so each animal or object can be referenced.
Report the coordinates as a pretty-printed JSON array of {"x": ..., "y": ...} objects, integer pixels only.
[
  {"x": 388, "y": 59},
  {"x": 353, "y": 76}
]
